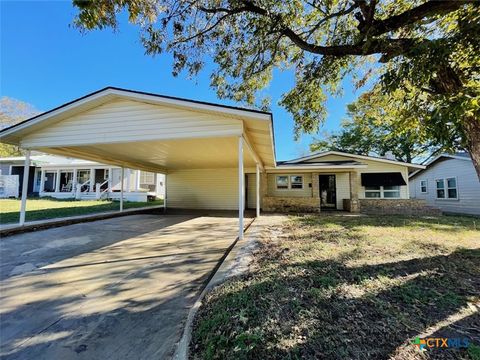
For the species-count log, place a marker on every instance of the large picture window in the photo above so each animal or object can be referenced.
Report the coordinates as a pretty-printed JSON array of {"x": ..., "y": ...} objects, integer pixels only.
[
  {"x": 447, "y": 188},
  {"x": 388, "y": 192},
  {"x": 292, "y": 182}
]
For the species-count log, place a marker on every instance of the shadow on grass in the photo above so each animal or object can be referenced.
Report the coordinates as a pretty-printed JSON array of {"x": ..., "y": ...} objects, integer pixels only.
[
  {"x": 441, "y": 223},
  {"x": 326, "y": 310}
]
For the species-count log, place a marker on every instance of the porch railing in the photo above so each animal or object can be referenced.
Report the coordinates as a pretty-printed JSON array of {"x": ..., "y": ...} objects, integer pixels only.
[
  {"x": 99, "y": 193},
  {"x": 79, "y": 188}
]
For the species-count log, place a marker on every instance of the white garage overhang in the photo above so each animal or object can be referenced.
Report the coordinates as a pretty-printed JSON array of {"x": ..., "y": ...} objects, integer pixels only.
[
  {"x": 151, "y": 132},
  {"x": 148, "y": 131}
]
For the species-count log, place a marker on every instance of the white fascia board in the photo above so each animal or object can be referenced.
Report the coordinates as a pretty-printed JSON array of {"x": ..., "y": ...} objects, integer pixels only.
[
  {"x": 321, "y": 154},
  {"x": 315, "y": 168}
]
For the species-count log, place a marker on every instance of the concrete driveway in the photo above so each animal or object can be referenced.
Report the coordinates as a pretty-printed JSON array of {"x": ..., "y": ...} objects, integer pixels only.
[{"x": 111, "y": 289}]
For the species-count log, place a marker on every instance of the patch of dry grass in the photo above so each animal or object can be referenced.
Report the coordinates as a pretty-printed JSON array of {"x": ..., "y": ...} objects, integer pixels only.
[{"x": 335, "y": 287}]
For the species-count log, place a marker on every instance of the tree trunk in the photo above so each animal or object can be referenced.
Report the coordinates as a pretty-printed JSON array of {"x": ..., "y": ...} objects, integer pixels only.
[{"x": 472, "y": 133}]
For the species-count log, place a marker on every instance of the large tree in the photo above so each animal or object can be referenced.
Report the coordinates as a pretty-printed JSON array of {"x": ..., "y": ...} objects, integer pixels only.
[
  {"x": 380, "y": 123},
  {"x": 428, "y": 47},
  {"x": 13, "y": 111}
]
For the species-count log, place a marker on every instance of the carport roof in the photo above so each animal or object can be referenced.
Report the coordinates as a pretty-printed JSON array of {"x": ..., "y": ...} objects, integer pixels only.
[{"x": 171, "y": 151}]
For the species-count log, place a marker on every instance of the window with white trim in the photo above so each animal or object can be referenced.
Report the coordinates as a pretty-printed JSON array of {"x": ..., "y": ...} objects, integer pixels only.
[
  {"x": 296, "y": 182},
  {"x": 380, "y": 192},
  {"x": 373, "y": 192},
  {"x": 282, "y": 182},
  {"x": 447, "y": 188},
  {"x": 423, "y": 186},
  {"x": 292, "y": 182}
]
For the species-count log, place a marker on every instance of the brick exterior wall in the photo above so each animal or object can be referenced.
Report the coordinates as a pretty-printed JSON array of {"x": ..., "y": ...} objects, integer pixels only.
[
  {"x": 290, "y": 204},
  {"x": 397, "y": 207}
]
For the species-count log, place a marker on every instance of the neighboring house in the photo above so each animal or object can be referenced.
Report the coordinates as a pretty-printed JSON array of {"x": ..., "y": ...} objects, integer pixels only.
[
  {"x": 214, "y": 156},
  {"x": 450, "y": 183},
  {"x": 65, "y": 178}
]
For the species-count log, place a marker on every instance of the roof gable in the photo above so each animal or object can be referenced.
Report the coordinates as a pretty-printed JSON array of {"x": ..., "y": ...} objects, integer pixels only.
[{"x": 317, "y": 157}]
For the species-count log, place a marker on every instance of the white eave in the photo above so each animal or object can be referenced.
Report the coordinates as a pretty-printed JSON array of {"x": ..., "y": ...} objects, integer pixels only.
[{"x": 364, "y": 157}]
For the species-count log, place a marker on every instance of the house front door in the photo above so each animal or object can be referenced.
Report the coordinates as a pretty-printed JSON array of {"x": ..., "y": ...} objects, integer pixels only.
[{"x": 328, "y": 192}]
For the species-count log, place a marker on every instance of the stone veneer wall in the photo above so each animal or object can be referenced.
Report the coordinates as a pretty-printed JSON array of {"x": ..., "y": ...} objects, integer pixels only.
[
  {"x": 290, "y": 204},
  {"x": 397, "y": 207}
]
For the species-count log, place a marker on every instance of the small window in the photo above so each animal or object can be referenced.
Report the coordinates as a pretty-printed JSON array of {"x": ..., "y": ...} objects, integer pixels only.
[
  {"x": 423, "y": 186},
  {"x": 372, "y": 192},
  {"x": 282, "y": 182},
  {"x": 296, "y": 182},
  {"x": 391, "y": 191},
  {"x": 440, "y": 189},
  {"x": 452, "y": 188},
  {"x": 147, "y": 178}
]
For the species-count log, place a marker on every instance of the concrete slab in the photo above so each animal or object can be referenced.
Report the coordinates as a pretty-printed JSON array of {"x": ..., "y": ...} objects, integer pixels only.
[{"x": 111, "y": 289}]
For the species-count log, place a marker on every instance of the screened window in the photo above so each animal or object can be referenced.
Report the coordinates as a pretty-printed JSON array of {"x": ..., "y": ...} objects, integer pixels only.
[
  {"x": 296, "y": 182},
  {"x": 391, "y": 191},
  {"x": 423, "y": 186},
  {"x": 282, "y": 182},
  {"x": 373, "y": 192}
]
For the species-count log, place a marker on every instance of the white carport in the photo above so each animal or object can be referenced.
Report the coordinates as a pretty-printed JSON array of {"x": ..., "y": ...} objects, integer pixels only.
[{"x": 152, "y": 133}]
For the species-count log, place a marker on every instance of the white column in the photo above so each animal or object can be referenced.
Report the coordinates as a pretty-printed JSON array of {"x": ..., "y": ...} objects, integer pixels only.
[
  {"x": 127, "y": 186},
  {"x": 241, "y": 188},
  {"x": 257, "y": 189},
  {"x": 92, "y": 180},
  {"x": 74, "y": 181},
  {"x": 165, "y": 193},
  {"x": 121, "y": 189},
  {"x": 42, "y": 181},
  {"x": 57, "y": 181},
  {"x": 23, "y": 205},
  {"x": 137, "y": 180},
  {"x": 110, "y": 177}
]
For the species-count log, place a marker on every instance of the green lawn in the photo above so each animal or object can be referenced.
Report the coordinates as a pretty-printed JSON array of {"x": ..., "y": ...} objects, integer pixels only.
[
  {"x": 39, "y": 209},
  {"x": 332, "y": 287}
]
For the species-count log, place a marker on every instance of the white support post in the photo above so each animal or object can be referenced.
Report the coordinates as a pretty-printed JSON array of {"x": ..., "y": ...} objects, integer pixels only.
[
  {"x": 121, "y": 189},
  {"x": 241, "y": 188},
  {"x": 257, "y": 190},
  {"x": 74, "y": 181},
  {"x": 137, "y": 180},
  {"x": 91, "y": 188},
  {"x": 57, "y": 181},
  {"x": 42, "y": 181},
  {"x": 110, "y": 177},
  {"x": 23, "y": 205},
  {"x": 128, "y": 180},
  {"x": 165, "y": 193}
]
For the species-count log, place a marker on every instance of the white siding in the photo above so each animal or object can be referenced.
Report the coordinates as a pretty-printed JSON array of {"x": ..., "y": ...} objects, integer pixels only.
[
  {"x": 468, "y": 186},
  {"x": 126, "y": 120},
  {"x": 203, "y": 189}
]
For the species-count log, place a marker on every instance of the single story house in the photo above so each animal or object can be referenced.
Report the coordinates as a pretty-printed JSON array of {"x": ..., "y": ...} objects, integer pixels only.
[
  {"x": 448, "y": 182},
  {"x": 65, "y": 177},
  {"x": 213, "y": 156}
]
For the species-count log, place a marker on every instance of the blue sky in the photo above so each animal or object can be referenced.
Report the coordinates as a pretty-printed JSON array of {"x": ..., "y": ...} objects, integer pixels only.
[{"x": 46, "y": 62}]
